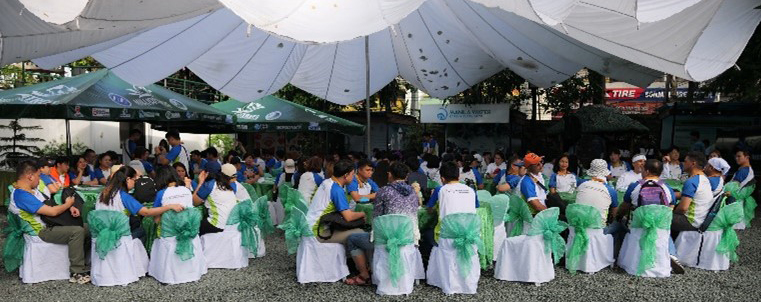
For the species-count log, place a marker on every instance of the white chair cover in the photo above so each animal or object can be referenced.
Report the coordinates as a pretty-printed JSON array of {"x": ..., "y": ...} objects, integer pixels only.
[
  {"x": 320, "y": 262},
  {"x": 599, "y": 253},
  {"x": 261, "y": 250},
  {"x": 224, "y": 249},
  {"x": 740, "y": 225},
  {"x": 523, "y": 259},
  {"x": 277, "y": 212},
  {"x": 44, "y": 261},
  {"x": 166, "y": 267},
  {"x": 444, "y": 272},
  {"x": 122, "y": 265},
  {"x": 413, "y": 263},
  {"x": 509, "y": 227},
  {"x": 628, "y": 258},
  {"x": 695, "y": 249},
  {"x": 500, "y": 234}
]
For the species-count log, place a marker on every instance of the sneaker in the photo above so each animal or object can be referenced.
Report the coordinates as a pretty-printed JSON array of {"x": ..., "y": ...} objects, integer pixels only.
[
  {"x": 83, "y": 278},
  {"x": 676, "y": 266}
]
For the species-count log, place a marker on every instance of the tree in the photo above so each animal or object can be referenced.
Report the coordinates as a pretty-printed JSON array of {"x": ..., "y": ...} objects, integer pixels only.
[
  {"x": 301, "y": 97},
  {"x": 503, "y": 87},
  {"x": 17, "y": 149},
  {"x": 570, "y": 94}
]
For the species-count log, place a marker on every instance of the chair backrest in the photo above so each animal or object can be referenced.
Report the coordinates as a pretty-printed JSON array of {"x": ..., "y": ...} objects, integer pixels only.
[
  {"x": 500, "y": 204},
  {"x": 518, "y": 213},
  {"x": 394, "y": 231},
  {"x": 13, "y": 251},
  {"x": 263, "y": 210},
  {"x": 725, "y": 221},
  {"x": 465, "y": 230},
  {"x": 483, "y": 196},
  {"x": 183, "y": 226},
  {"x": 582, "y": 216},
  {"x": 547, "y": 225},
  {"x": 650, "y": 219},
  {"x": 295, "y": 227},
  {"x": 246, "y": 216},
  {"x": 108, "y": 227}
]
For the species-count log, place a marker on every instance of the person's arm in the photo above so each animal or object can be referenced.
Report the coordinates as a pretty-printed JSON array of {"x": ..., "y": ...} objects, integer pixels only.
[
  {"x": 529, "y": 192},
  {"x": 201, "y": 189},
  {"x": 169, "y": 157},
  {"x": 688, "y": 192},
  {"x": 338, "y": 198},
  {"x": 77, "y": 180},
  {"x": 683, "y": 205},
  {"x": 55, "y": 210},
  {"x": 160, "y": 210}
]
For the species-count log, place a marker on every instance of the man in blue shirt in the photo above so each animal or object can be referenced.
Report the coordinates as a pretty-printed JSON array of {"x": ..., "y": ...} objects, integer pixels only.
[
  {"x": 362, "y": 187},
  {"x": 129, "y": 146},
  {"x": 212, "y": 161},
  {"x": 177, "y": 151},
  {"x": 197, "y": 163}
]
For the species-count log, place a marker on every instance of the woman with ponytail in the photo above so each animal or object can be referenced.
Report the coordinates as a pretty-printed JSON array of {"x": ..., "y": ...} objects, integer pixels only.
[{"x": 219, "y": 197}]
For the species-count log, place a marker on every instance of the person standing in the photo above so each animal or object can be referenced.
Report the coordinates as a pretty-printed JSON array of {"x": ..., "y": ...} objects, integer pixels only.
[
  {"x": 129, "y": 145},
  {"x": 177, "y": 153}
]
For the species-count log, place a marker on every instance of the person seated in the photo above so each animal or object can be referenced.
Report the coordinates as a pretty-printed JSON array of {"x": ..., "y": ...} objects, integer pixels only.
[
  {"x": 696, "y": 197},
  {"x": 563, "y": 180},
  {"x": 258, "y": 161},
  {"x": 453, "y": 197},
  {"x": 534, "y": 189},
  {"x": 744, "y": 174},
  {"x": 28, "y": 203},
  {"x": 432, "y": 170},
  {"x": 397, "y": 197},
  {"x": 288, "y": 174},
  {"x": 103, "y": 170},
  {"x": 212, "y": 166},
  {"x": 598, "y": 193},
  {"x": 141, "y": 154},
  {"x": 616, "y": 166},
  {"x": 330, "y": 197},
  {"x": 469, "y": 172},
  {"x": 185, "y": 180},
  {"x": 509, "y": 179},
  {"x": 672, "y": 168},
  {"x": 312, "y": 178},
  {"x": 415, "y": 175},
  {"x": 250, "y": 171},
  {"x": 48, "y": 185},
  {"x": 362, "y": 186},
  {"x": 171, "y": 190},
  {"x": 80, "y": 174},
  {"x": 218, "y": 195},
  {"x": 60, "y": 172},
  {"x": 493, "y": 169},
  {"x": 633, "y": 175},
  {"x": 116, "y": 197},
  {"x": 715, "y": 171}
]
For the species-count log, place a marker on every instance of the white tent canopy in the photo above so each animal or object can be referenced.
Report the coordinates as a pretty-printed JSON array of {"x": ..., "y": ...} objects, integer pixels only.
[{"x": 440, "y": 46}]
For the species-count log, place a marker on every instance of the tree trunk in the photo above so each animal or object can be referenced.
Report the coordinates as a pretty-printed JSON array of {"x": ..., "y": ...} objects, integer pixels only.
[{"x": 534, "y": 103}]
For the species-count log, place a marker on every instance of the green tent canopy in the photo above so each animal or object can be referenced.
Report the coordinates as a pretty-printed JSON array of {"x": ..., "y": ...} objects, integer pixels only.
[
  {"x": 101, "y": 95},
  {"x": 273, "y": 114}
]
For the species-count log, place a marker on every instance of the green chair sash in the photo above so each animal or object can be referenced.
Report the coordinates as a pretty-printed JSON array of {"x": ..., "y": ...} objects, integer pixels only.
[
  {"x": 499, "y": 206},
  {"x": 581, "y": 217},
  {"x": 13, "y": 251},
  {"x": 725, "y": 221},
  {"x": 394, "y": 231},
  {"x": 519, "y": 214},
  {"x": 265, "y": 220},
  {"x": 246, "y": 215},
  {"x": 743, "y": 195},
  {"x": 295, "y": 227},
  {"x": 464, "y": 230},
  {"x": 108, "y": 227},
  {"x": 650, "y": 218},
  {"x": 546, "y": 223},
  {"x": 184, "y": 227}
]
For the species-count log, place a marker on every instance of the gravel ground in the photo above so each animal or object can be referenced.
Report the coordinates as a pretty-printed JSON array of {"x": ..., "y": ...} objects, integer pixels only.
[{"x": 273, "y": 278}]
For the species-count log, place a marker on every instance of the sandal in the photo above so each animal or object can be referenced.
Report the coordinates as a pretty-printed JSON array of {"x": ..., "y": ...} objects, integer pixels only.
[{"x": 358, "y": 280}]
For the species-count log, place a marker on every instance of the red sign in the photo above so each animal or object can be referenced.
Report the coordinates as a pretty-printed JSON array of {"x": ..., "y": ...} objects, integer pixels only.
[{"x": 623, "y": 93}]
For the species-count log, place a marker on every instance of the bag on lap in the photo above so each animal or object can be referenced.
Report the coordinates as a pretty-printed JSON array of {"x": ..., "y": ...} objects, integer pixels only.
[
  {"x": 65, "y": 218},
  {"x": 336, "y": 222},
  {"x": 651, "y": 192}
]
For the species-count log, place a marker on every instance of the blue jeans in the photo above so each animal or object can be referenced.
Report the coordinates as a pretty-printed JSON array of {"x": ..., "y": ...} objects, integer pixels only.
[{"x": 359, "y": 243}]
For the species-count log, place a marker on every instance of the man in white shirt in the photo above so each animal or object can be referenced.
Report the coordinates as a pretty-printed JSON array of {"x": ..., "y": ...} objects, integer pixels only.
[
  {"x": 453, "y": 197},
  {"x": 497, "y": 166},
  {"x": 697, "y": 196},
  {"x": 597, "y": 192},
  {"x": 532, "y": 186},
  {"x": 638, "y": 167}
]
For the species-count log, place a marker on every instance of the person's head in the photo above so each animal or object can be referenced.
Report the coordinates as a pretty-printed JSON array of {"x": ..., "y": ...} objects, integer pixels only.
[
  {"x": 180, "y": 169},
  {"x": 516, "y": 166},
  {"x": 716, "y": 167},
  {"x": 134, "y": 134},
  {"x": 714, "y": 154},
  {"x": 742, "y": 157},
  {"x": 62, "y": 164},
  {"x": 90, "y": 156},
  {"x": 328, "y": 168},
  {"x": 248, "y": 159},
  {"x": 412, "y": 163},
  {"x": 314, "y": 164},
  {"x": 104, "y": 161},
  {"x": 615, "y": 155},
  {"x": 230, "y": 171},
  {"x": 122, "y": 179},
  {"x": 173, "y": 138},
  {"x": 695, "y": 136},
  {"x": 499, "y": 158},
  {"x": 562, "y": 163},
  {"x": 166, "y": 175},
  {"x": 78, "y": 163},
  {"x": 426, "y": 136},
  {"x": 398, "y": 171},
  {"x": 534, "y": 163},
  {"x": 433, "y": 162},
  {"x": 195, "y": 155},
  {"x": 449, "y": 172},
  {"x": 141, "y": 153},
  {"x": 343, "y": 171},
  {"x": 653, "y": 168},
  {"x": 289, "y": 166},
  {"x": 673, "y": 153},
  {"x": 598, "y": 168},
  {"x": 694, "y": 161},
  {"x": 115, "y": 158},
  {"x": 235, "y": 161},
  {"x": 472, "y": 161},
  {"x": 638, "y": 163},
  {"x": 27, "y": 174},
  {"x": 365, "y": 169},
  {"x": 44, "y": 164}
]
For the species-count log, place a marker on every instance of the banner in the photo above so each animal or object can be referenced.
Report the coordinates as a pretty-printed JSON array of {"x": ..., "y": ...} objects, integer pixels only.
[
  {"x": 644, "y": 100},
  {"x": 465, "y": 114}
]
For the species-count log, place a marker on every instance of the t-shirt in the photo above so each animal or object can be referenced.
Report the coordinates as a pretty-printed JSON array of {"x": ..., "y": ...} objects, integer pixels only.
[
  {"x": 180, "y": 195},
  {"x": 241, "y": 175},
  {"x": 563, "y": 183},
  {"x": 627, "y": 179},
  {"x": 420, "y": 179},
  {"x": 620, "y": 170},
  {"x": 218, "y": 202},
  {"x": 73, "y": 175},
  {"x": 510, "y": 179},
  {"x": 368, "y": 187},
  {"x": 260, "y": 163},
  {"x": 213, "y": 167},
  {"x": 743, "y": 175},
  {"x": 717, "y": 184},
  {"x": 101, "y": 174},
  {"x": 26, "y": 206},
  {"x": 241, "y": 194},
  {"x": 122, "y": 202},
  {"x": 698, "y": 188},
  {"x": 671, "y": 171},
  {"x": 147, "y": 166},
  {"x": 308, "y": 184},
  {"x": 632, "y": 194},
  {"x": 453, "y": 198},
  {"x": 533, "y": 191},
  {"x": 599, "y": 195},
  {"x": 472, "y": 175},
  {"x": 197, "y": 167},
  {"x": 330, "y": 197},
  {"x": 493, "y": 166},
  {"x": 178, "y": 153}
]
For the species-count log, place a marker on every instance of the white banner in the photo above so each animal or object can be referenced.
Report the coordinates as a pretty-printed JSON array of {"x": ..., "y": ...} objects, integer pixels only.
[{"x": 465, "y": 114}]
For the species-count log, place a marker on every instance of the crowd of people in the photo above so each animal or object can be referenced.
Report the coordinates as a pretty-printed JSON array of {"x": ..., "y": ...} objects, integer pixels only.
[{"x": 173, "y": 179}]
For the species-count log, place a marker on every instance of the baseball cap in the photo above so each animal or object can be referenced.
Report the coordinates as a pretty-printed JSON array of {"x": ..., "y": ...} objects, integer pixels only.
[
  {"x": 531, "y": 159},
  {"x": 229, "y": 170},
  {"x": 290, "y": 166},
  {"x": 719, "y": 164}
]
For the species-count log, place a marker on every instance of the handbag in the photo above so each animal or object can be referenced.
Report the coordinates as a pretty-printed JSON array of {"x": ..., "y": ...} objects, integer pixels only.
[
  {"x": 336, "y": 222},
  {"x": 65, "y": 218}
]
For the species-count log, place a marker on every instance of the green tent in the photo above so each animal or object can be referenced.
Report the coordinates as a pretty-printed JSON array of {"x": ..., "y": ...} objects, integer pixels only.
[
  {"x": 273, "y": 114},
  {"x": 101, "y": 95}
]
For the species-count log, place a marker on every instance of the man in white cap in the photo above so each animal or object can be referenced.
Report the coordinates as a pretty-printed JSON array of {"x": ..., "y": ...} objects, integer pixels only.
[
  {"x": 597, "y": 192},
  {"x": 633, "y": 175},
  {"x": 715, "y": 170}
]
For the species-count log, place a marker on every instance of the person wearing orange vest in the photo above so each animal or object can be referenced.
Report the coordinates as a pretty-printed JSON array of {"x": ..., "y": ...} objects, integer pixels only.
[{"x": 60, "y": 172}]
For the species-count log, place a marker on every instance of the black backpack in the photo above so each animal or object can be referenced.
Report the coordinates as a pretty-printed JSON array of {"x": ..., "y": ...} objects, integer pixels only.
[
  {"x": 65, "y": 218},
  {"x": 145, "y": 190}
]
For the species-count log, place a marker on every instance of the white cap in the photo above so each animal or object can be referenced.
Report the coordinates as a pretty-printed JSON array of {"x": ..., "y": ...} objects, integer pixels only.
[
  {"x": 290, "y": 166},
  {"x": 113, "y": 169},
  {"x": 229, "y": 170},
  {"x": 719, "y": 164},
  {"x": 598, "y": 168},
  {"x": 639, "y": 157}
]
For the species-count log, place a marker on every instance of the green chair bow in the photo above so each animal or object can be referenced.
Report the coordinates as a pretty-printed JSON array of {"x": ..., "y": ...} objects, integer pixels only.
[
  {"x": 464, "y": 230},
  {"x": 295, "y": 227},
  {"x": 486, "y": 254},
  {"x": 183, "y": 226},
  {"x": 108, "y": 227},
  {"x": 483, "y": 196},
  {"x": 546, "y": 223},
  {"x": 151, "y": 232},
  {"x": 13, "y": 251},
  {"x": 499, "y": 206},
  {"x": 432, "y": 184},
  {"x": 265, "y": 220},
  {"x": 743, "y": 195},
  {"x": 725, "y": 221},
  {"x": 519, "y": 214},
  {"x": 251, "y": 191},
  {"x": 568, "y": 196},
  {"x": 394, "y": 231},
  {"x": 246, "y": 215},
  {"x": 650, "y": 218},
  {"x": 581, "y": 217},
  {"x": 294, "y": 198}
]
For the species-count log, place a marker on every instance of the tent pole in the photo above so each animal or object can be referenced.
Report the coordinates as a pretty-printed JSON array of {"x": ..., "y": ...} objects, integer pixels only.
[
  {"x": 68, "y": 138},
  {"x": 367, "y": 92}
]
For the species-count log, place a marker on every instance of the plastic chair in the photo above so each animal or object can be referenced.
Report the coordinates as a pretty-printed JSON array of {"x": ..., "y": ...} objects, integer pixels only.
[
  {"x": 589, "y": 249},
  {"x": 397, "y": 263},
  {"x": 315, "y": 261},
  {"x": 231, "y": 248},
  {"x": 717, "y": 246},
  {"x": 744, "y": 196},
  {"x": 645, "y": 249},
  {"x": 116, "y": 258},
  {"x": 177, "y": 255},
  {"x": 454, "y": 264},
  {"x": 518, "y": 217},
  {"x": 483, "y": 196},
  {"x": 37, "y": 261},
  {"x": 531, "y": 258},
  {"x": 499, "y": 207}
]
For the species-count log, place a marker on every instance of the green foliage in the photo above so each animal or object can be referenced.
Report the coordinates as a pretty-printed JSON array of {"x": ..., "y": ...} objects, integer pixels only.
[
  {"x": 14, "y": 147},
  {"x": 223, "y": 142},
  {"x": 301, "y": 97},
  {"x": 13, "y": 76},
  {"x": 499, "y": 88},
  {"x": 573, "y": 92},
  {"x": 58, "y": 147}
]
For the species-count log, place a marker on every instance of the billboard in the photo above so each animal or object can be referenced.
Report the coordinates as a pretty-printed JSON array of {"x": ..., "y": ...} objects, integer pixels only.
[
  {"x": 643, "y": 100},
  {"x": 465, "y": 114}
]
